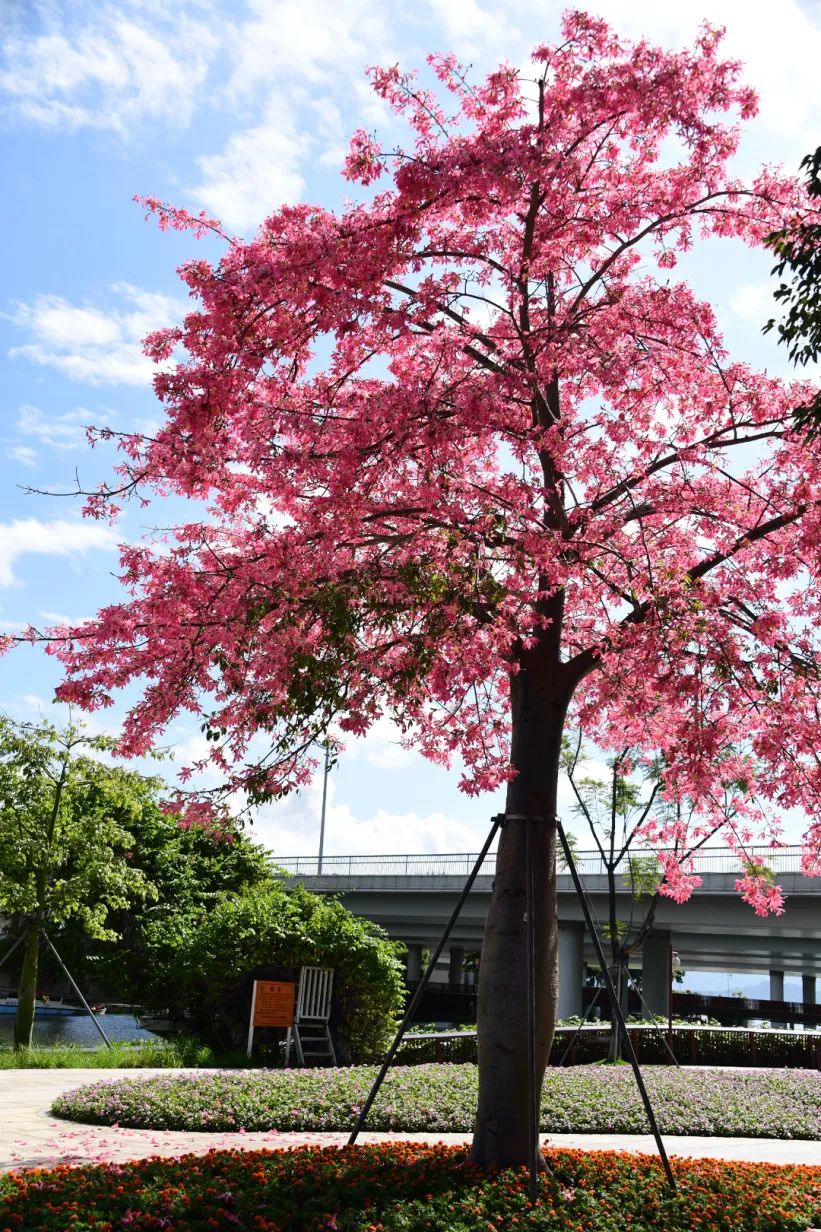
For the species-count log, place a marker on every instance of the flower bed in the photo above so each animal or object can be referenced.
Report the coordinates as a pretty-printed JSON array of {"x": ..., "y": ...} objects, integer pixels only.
[
  {"x": 408, "y": 1188},
  {"x": 442, "y": 1098}
]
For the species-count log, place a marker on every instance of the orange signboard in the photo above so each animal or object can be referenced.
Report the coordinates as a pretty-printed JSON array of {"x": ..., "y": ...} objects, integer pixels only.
[{"x": 273, "y": 1003}]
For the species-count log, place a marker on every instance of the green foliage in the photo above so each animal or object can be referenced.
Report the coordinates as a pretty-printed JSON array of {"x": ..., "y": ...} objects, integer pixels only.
[
  {"x": 65, "y": 837},
  {"x": 561, "y": 861},
  {"x": 643, "y": 872},
  {"x": 614, "y": 809},
  {"x": 268, "y": 925},
  {"x": 218, "y": 912},
  {"x": 798, "y": 249},
  {"x": 759, "y": 870},
  {"x": 191, "y": 871},
  {"x": 182, "y": 1052}
]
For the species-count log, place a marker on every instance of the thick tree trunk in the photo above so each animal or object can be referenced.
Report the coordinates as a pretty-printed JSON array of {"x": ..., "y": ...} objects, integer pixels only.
[
  {"x": 539, "y": 699},
  {"x": 27, "y": 991}
]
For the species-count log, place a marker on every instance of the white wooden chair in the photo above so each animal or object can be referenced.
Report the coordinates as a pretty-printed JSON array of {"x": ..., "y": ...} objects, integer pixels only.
[{"x": 311, "y": 1036}]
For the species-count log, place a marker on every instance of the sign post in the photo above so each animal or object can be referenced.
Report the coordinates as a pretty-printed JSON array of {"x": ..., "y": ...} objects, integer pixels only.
[{"x": 272, "y": 1005}]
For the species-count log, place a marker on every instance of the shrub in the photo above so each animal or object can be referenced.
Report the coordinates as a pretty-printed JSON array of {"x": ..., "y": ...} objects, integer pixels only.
[{"x": 269, "y": 926}]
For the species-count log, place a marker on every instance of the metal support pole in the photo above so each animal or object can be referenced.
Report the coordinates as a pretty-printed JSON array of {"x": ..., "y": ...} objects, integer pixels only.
[
  {"x": 650, "y": 1017},
  {"x": 578, "y": 1030},
  {"x": 423, "y": 983},
  {"x": 324, "y": 799},
  {"x": 532, "y": 1082},
  {"x": 631, "y": 1052},
  {"x": 9, "y": 953},
  {"x": 70, "y": 979}
]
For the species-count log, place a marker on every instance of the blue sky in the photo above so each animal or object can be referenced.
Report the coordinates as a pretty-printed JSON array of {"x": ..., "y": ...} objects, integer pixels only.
[{"x": 235, "y": 108}]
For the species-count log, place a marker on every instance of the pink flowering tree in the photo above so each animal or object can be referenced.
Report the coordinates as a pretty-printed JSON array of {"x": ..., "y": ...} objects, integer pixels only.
[{"x": 473, "y": 456}]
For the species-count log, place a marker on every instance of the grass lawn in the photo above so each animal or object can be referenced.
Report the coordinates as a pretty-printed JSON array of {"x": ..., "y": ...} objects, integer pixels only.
[
  {"x": 442, "y": 1098},
  {"x": 148, "y": 1054},
  {"x": 409, "y": 1188}
]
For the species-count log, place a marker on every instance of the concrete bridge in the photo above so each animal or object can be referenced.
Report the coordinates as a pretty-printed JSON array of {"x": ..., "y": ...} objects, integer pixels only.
[{"x": 412, "y": 896}]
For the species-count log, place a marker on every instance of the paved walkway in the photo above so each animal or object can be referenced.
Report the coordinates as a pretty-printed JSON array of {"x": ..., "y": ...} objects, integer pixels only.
[{"x": 31, "y": 1138}]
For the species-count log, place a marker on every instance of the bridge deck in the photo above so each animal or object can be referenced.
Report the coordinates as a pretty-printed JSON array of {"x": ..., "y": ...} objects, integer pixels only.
[{"x": 784, "y": 859}]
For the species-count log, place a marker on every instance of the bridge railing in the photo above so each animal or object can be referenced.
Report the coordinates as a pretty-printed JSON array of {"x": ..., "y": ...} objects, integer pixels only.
[{"x": 786, "y": 859}]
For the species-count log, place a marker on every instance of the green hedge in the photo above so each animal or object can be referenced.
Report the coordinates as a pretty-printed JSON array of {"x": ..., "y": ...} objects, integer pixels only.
[{"x": 691, "y": 1046}]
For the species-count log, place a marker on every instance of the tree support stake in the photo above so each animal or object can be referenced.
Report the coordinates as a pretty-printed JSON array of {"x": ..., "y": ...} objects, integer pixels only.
[
  {"x": 423, "y": 983},
  {"x": 628, "y": 1043},
  {"x": 578, "y": 1030},
  {"x": 533, "y": 1092},
  {"x": 651, "y": 1017},
  {"x": 10, "y": 951},
  {"x": 70, "y": 979}
]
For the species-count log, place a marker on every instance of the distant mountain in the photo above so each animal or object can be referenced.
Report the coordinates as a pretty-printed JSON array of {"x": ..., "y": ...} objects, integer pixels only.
[{"x": 756, "y": 989}]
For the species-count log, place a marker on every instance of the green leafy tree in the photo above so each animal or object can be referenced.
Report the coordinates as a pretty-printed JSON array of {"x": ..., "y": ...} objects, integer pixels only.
[
  {"x": 274, "y": 925},
  {"x": 65, "y": 843},
  {"x": 798, "y": 248},
  {"x": 191, "y": 870},
  {"x": 220, "y": 911}
]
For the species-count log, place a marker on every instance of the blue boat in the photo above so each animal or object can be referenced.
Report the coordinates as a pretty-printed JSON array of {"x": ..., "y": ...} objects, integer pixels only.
[{"x": 42, "y": 1009}]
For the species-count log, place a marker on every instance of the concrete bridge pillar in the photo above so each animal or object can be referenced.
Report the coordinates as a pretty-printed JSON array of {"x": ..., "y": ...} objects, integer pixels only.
[
  {"x": 456, "y": 966},
  {"x": 655, "y": 971},
  {"x": 777, "y": 994},
  {"x": 413, "y": 964},
  {"x": 571, "y": 969},
  {"x": 808, "y": 989}
]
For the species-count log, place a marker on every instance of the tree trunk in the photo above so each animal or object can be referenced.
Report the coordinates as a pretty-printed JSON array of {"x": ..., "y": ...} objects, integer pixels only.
[
  {"x": 539, "y": 699},
  {"x": 616, "y": 1050},
  {"x": 27, "y": 991}
]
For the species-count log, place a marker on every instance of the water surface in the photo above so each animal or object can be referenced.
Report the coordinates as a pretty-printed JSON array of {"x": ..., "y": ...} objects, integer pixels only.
[{"x": 77, "y": 1029}]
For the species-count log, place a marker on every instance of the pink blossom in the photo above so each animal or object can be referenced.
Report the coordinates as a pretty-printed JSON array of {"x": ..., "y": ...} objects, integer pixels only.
[{"x": 411, "y": 508}]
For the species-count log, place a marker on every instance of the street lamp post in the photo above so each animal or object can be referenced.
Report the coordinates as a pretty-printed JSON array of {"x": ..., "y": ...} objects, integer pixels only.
[
  {"x": 324, "y": 801},
  {"x": 673, "y": 965},
  {"x": 670, "y": 995}
]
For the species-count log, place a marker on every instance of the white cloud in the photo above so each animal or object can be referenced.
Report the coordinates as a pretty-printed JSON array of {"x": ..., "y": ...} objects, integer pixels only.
[
  {"x": 59, "y": 537},
  {"x": 66, "y": 431},
  {"x": 22, "y": 453},
  {"x": 381, "y": 746},
  {"x": 309, "y": 39},
  {"x": 60, "y": 618},
  {"x": 297, "y": 44},
  {"x": 111, "y": 72},
  {"x": 94, "y": 345},
  {"x": 291, "y": 827},
  {"x": 470, "y": 28},
  {"x": 33, "y": 701},
  {"x": 257, "y": 170},
  {"x": 753, "y": 302}
]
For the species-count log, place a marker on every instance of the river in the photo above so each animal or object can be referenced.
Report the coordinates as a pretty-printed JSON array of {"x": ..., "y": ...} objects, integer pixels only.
[{"x": 77, "y": 1029}]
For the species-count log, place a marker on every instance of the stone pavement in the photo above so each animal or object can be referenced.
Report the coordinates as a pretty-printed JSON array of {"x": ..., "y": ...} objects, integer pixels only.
[{"x": 31, "y": 1138}]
